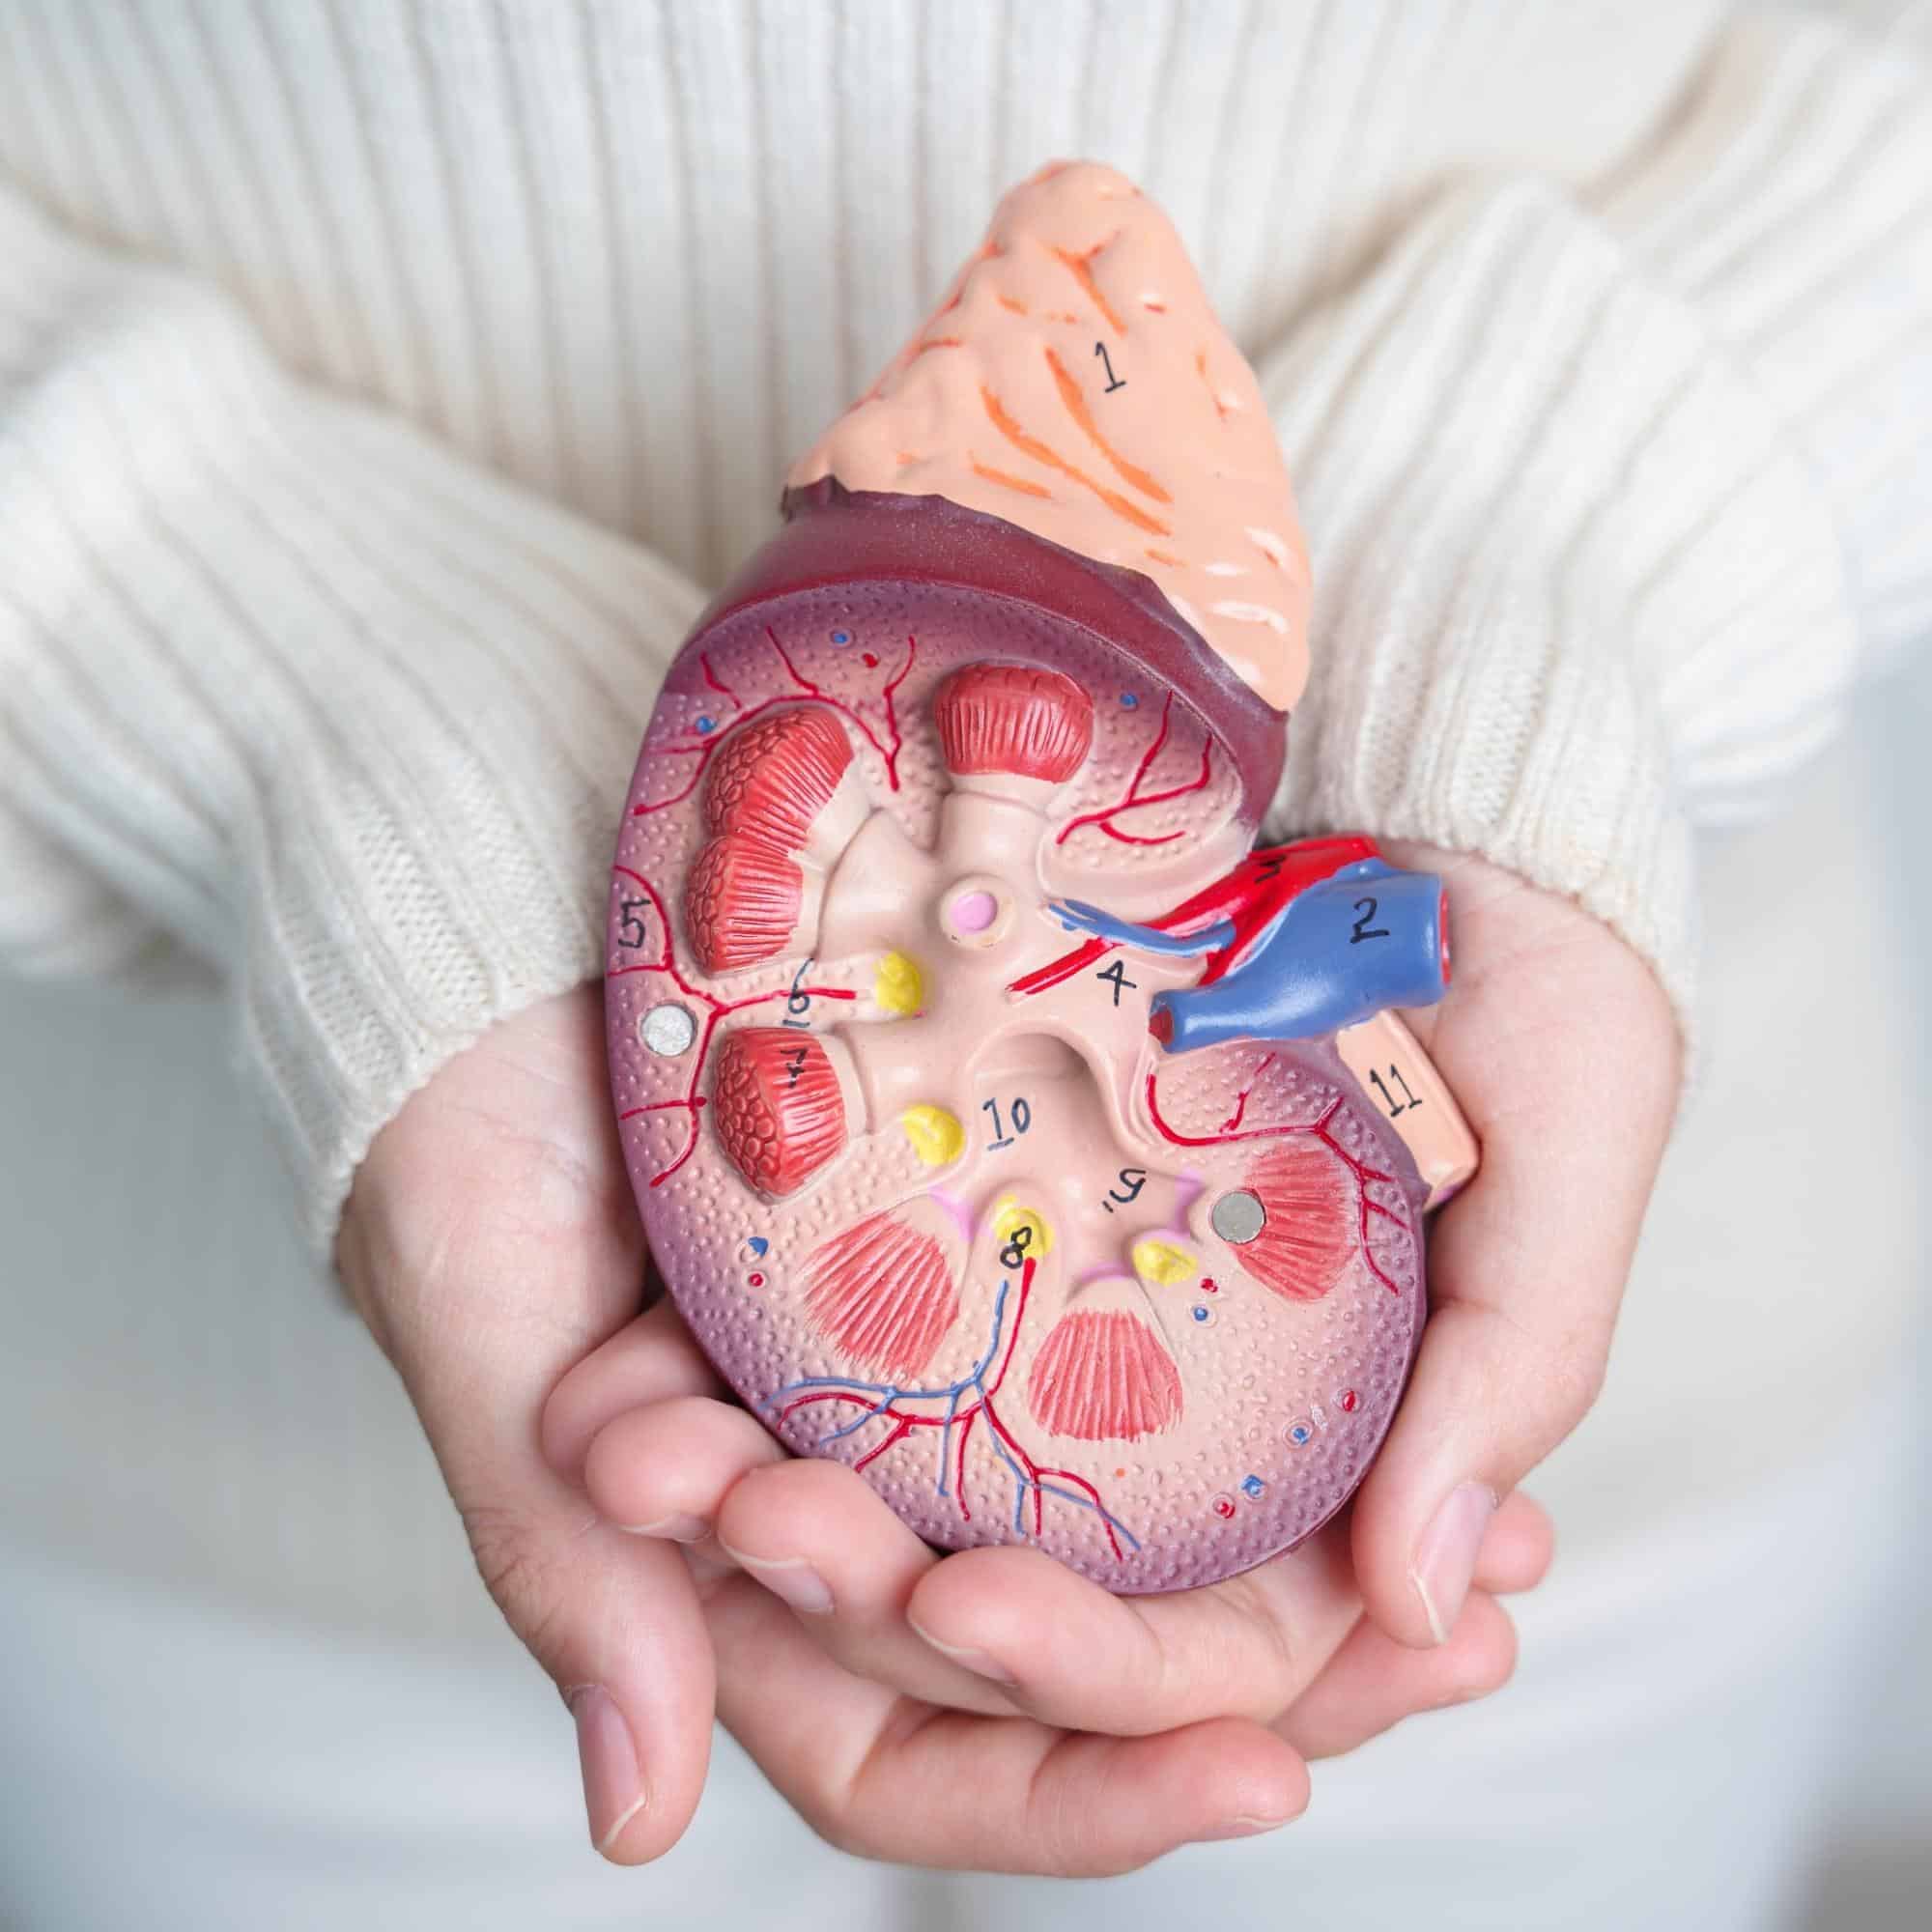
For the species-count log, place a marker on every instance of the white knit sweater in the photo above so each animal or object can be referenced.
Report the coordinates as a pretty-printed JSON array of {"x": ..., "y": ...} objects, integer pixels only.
[{"x": 381, "y": 383}]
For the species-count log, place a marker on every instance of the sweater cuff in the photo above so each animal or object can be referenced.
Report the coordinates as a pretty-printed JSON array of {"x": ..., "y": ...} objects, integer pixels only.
[
  {"x": 341, "y": 714},
  {"x": 1569, "y": 575}
]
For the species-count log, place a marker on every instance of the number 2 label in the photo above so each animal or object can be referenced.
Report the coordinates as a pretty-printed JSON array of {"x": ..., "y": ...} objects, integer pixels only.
[{"x": 1365, "y": 910}]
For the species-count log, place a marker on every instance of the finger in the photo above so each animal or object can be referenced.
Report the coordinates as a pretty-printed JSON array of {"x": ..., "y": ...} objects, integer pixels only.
[
  {"x": 615, "y": 1620},
  {"x": 665, "y": 1471},
  {"x": 493, "y": 1243},
  {"x": 1511, "y": 1360},
  {"x": 818, "y": 1537},
  {"x": 886, "y": 1777},
  {"x": 1069, "y": 1652},
  {"x": 649, "y": 1359},
  {"x": 1516, "y": 1551},
  {"x": 1372, "y": 1683},
  {"x": 1526, "y": 1266}
]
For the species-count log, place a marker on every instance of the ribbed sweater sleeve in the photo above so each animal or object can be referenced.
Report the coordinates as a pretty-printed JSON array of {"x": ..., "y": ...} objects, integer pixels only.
[
  {"x": 285, "y": 684},
  {"x": 1610, "y": 493}
]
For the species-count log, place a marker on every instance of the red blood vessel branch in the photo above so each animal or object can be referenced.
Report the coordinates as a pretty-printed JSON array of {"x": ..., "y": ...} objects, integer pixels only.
[
  {"x": 1364, "y": 1174},
  {"x": 712, "y": 678},
  {"x": 1249, "y": 896},
  {"x": 1104, "y": 818},
  {"x": 702, "y": 748},
  {"x": 878, "y": 1398},
  {"x": 715, "y": 1009},
  {"x": 1234, "y": 1119}
]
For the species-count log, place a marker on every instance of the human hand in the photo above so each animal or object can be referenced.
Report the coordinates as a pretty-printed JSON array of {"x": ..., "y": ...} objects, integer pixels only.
[
  {"x": 822, "y": 1606},
  {"x": 1531, "y": 968},
  {"x": 490, "y": 1243},
  {"x": 1556, "y": 1033},
  {"x": 1562, "y": 1048}
]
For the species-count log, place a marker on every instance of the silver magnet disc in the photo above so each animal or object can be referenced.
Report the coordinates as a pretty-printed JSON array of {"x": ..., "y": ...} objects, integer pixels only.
[
  {"x": 668, "y": 1029},
  {"x": 1238, "y": 1218}
]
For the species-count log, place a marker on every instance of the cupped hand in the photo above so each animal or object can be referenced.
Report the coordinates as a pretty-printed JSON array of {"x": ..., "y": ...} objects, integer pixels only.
[
  {"x": 492, "y": 1245},
  {"x": 1002, "y": 1631},
  {"x": 1563, "y": 1050}
]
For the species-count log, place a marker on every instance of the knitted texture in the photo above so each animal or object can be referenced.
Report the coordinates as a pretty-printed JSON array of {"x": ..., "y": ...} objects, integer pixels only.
[
  {"x": 378, "y": 382},
  {"x": 328, "y": 706}
]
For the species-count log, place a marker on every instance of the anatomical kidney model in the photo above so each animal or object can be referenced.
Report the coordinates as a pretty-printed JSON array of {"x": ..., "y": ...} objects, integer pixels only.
[{"x": 1005, "y": 1126}]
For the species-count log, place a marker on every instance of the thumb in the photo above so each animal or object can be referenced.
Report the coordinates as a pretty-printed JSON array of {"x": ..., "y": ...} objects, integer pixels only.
[
  {"x": 1563, "y": 1048},
  {"x": 615, "y": 1622},
  {"x": 490, "y": 1243},
  {"x": 614, "y": 1619}
]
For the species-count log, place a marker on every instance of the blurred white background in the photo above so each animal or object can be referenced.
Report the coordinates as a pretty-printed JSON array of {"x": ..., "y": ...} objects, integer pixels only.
[{"x": 1880, "y": 1875}]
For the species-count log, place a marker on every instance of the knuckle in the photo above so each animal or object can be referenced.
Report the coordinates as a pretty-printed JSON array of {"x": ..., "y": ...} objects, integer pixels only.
[
  {"x": 836, "y": 1821},
  {"x": 827, "y": 1825},
  {"x": 1549, "y": 1381},
  {"x": 1059, "y": 1830},
  {"x": 1186, "y": 1667},
  {"x": 1070, "y": 1824},
  {"x": 1160, "y": 1676},
  {"x": 1571, "y": 1377},
  {"x": 1261, "y": 1653},
  {"x": 522, "y": 1571},
  {"x": 831, "y": 1798}
]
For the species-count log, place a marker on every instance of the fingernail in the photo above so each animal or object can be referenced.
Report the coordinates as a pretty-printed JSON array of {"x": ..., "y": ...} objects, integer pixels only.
[
  {"x": 614, "y": 1785},
  {"x": 677, "y": 1527},
  {"x": 1243, "y": 1827},
  {"x": 791, "y": 1579},
  {"x": 967, "y": 1659},
  {"x": 1445, "y": 1556}
]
